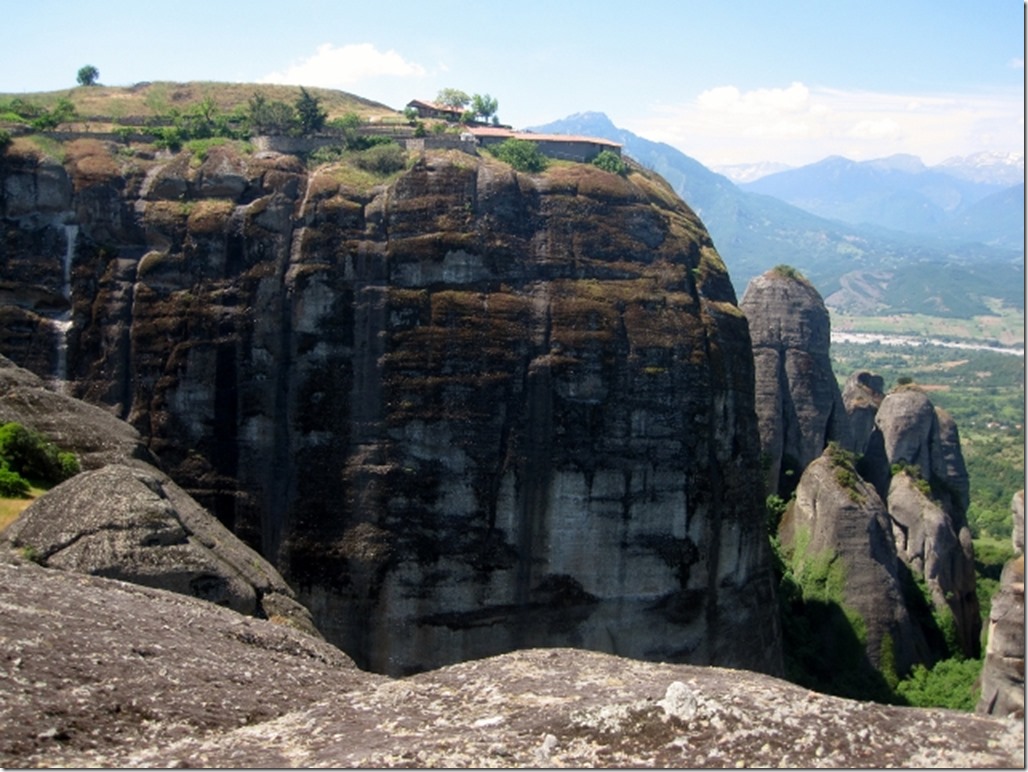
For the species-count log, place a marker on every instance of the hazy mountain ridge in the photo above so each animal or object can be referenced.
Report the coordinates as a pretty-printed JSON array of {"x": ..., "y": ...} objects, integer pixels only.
[
  {"x": 901, "y": 193},
  {"x": 859, "y": 268}
]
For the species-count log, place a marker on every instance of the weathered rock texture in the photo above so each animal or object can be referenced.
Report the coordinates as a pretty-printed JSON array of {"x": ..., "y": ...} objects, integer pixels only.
[
  {"x": 95, "y": 435},
  {"x": 100, "y": 673},
  {"x": 463, "y": 412},
  {"x": 839, "y": 539},
  {"x": 136, "y": 525},
  {"x": 861, "y": 396},
  {"x": 907, "y": 449},
  {"x": 1003, "y": 670},
  {"x": 927, "y": 501},
  {"x": 799, "y": 406}
]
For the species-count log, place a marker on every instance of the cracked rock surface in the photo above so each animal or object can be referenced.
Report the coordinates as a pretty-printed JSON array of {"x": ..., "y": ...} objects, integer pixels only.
[{"x": 96, "y": 672}]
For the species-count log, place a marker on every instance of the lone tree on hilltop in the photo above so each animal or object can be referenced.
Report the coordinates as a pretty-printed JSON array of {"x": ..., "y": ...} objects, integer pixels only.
[{"x": 88, "y": 75}]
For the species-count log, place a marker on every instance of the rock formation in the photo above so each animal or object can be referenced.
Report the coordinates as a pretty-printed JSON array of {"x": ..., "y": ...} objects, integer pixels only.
[
  {"x": 136, "y": 525},
  {"x": 1002, "y": 678},
  {"x": 799, "y": 406},
  {"x": 861, "y": 396},
  {"x": 123, "y": 518},
  {"x": 98, "y": 673},
  {"x": 839, "y": 542},
  {"x": 463, "y": 410},
  {"x": 927, "y": 500}
]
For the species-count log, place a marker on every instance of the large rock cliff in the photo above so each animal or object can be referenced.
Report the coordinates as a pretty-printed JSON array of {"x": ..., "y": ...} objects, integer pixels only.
[{"x": 463, "y": 409}]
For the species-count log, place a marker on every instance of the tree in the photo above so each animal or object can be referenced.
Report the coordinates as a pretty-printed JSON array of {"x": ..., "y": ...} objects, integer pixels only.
[
  {"x": 521, "y": 154},
  {"x": 273, "y": 117},
  {"x": 453, "y": 97},
  {"x": 308, "y": 108},
  {"x": 484, "y": 106},
  {"x": 88, "y": 75}
]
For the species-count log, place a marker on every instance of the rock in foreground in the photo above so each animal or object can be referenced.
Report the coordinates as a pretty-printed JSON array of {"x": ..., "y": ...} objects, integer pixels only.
[{"x": 97, "y": 672}]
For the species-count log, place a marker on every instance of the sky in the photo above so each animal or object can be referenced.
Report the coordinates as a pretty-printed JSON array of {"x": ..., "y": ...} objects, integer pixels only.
[{"x": 724, "y": 81}]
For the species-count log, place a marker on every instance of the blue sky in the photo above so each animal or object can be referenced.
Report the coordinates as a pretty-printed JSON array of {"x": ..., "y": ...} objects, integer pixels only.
[{"x": 725, "y": 81}]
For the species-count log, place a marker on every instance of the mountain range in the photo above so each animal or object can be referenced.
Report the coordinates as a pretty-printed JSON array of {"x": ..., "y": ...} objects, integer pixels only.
[
  {"x": 865, "y": 266},
  {"x": 901, "y": 193}
]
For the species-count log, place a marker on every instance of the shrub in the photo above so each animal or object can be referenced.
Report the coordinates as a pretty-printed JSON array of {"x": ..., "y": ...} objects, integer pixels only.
[
  {"x": 48, "y": 120},
  {"x": 5, "y": 139},
  {"x": 381, "y": 159},
  {"x": 950, "y": 683},
  {"x": 521, "y": 154},
  {"x": 33, "y": 457},
  {"x": 611, "y": 162},
  {"x": 12, "y": 484}
]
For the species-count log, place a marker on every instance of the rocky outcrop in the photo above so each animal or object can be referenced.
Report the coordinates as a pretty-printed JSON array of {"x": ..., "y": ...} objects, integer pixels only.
[
  {"x": 927, "y": 498},
  {"x": 861, "y": 397},
  {"x": 136, "y": 525},
  {"x": 93, "y": 434},
  {"x": 799, "y": 406},
  {"x": 1002, "y": 679},
  {"x": 464, "y": 410},
  {"x": 838, "y": 540},
  {"x": 97, "y": 673}
]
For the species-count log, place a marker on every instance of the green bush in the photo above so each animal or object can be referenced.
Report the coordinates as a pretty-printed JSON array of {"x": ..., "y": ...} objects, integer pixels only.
[
  {"x": 521, "y": 154},
  {"x": 381, "y": 159},
  {"x": 31, "y": 456},
  {"x": 5, "y": 139},
  {"x": 12, "y": 484},
  {"x": 611, "y": 162},
  {"x": 950, "y": 683}
]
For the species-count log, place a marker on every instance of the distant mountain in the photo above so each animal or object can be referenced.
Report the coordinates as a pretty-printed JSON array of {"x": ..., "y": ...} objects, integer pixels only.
[
  {"x": 860, "y": 268},
  {"x": 898, "y": 192},
  {"x": 997, "y": 220},
  {"x": 740, "y": 173},
  {"x": 993, "y": 168}
]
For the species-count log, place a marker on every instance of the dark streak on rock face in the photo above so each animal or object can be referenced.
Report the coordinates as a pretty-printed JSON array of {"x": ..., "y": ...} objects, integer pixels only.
[{"x": 458, "y": 396}]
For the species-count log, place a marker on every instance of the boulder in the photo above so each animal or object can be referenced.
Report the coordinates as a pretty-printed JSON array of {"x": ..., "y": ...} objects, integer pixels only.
[
  {"x": 136, "y": 525},
  {"x": 94, "y": 434}
]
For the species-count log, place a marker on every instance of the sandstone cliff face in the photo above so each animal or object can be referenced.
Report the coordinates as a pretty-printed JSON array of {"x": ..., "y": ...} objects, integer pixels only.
[
  {"x": 799, "y": 406},
  {"x": 466, "y": 411}
]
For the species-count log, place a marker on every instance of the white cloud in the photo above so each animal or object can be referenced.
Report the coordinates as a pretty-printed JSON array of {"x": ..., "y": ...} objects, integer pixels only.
[
  {"x": 764, "y": 101},
  {"x": 346, "y": 66},
  {"x": 800, "y": 124},
  {"x": 1017, "y": 63}
]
